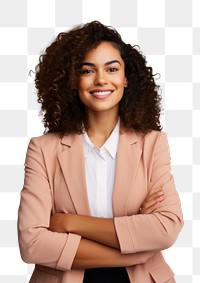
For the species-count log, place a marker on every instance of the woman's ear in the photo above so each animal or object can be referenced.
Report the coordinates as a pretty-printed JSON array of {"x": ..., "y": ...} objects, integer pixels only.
[{"x": 125, "y": 82}]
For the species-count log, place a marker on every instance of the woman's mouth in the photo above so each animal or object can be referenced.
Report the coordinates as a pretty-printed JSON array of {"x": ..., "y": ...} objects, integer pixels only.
[{"x": 101, "y": 94}]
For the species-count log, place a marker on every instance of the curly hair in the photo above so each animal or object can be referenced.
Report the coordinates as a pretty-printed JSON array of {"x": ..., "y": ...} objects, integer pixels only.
[{"x": 58, "y": 72}]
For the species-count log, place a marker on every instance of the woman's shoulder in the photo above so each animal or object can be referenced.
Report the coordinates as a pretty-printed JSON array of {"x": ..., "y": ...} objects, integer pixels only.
[
  {"x": 53, "y": 137},
  {"x": 150, "y": 135},
  {"x": 152, "y": 138},
  {"x": 155, "y": 134},
  {"x": 52, "y": 140}
]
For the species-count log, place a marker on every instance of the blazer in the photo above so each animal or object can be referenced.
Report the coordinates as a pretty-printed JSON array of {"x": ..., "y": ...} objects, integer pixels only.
[{"x": 55, "y": 182}]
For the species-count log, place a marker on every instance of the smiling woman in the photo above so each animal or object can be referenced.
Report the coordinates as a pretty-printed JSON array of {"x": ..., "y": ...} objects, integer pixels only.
[
  {"x": 60, "y": 69},
  {"x": 99, "y": 179}
]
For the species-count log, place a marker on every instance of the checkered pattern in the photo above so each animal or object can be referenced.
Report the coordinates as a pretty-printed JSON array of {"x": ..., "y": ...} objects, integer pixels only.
[{"x": 168, "y": 32}]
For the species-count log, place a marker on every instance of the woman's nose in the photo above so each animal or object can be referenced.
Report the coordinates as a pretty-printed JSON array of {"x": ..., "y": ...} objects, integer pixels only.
[{"x": 100, "y": 79}]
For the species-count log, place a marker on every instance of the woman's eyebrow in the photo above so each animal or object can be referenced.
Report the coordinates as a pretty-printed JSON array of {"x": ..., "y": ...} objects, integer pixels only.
[
  {"x": 107, "y": 63},
  {"x": 111, "y": 62}
]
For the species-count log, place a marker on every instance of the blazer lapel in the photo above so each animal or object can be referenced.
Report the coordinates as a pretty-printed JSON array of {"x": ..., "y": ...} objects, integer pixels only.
[
  {"x": 73, "y": 168},
  {"x": 128, "y": 157}
]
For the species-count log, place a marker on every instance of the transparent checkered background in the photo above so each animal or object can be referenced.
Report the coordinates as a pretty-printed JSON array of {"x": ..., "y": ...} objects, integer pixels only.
[{"x": 168, "y": 32}]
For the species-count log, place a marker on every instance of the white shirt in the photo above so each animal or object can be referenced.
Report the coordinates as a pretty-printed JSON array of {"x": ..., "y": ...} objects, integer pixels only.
[{"x": 100, "y": 164}]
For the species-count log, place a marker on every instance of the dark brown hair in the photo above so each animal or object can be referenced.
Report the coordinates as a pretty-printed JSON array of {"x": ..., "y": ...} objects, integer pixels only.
[{"x": 58, "y": 72}]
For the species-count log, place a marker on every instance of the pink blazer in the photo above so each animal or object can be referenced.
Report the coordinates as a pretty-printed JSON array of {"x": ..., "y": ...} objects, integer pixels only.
[{"x": 55, "y": 182}]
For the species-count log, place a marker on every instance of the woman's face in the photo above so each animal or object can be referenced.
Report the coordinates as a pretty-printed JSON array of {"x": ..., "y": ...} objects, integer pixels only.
[{"x": 102, "y": 79}]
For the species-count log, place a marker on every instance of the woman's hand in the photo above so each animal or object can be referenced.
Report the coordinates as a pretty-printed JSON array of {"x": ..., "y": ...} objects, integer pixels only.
[{"x": 152, "y": 202}]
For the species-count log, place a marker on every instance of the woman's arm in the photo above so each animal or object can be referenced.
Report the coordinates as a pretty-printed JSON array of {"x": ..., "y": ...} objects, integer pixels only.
[
  {"x": 37, "y": 244},
  {"x": 94, "y": 255},
  {"x": 101, "y": 230},
  {"x": 158, "y": 230},
  {"x": 99, "y": 252}
]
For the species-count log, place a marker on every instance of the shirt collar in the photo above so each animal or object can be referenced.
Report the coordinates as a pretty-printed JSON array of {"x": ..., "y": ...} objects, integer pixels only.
[{"x": 110, "y": 145}]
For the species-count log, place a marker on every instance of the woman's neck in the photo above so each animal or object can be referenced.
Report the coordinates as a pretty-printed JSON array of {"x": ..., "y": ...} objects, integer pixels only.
[{"x": 100, "y": 128}]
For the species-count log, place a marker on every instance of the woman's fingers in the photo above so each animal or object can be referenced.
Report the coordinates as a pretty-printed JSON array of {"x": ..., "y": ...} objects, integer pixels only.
[{"x": 152, "y": 202}]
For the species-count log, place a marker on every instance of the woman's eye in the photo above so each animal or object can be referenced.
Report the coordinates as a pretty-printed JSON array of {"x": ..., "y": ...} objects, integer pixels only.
[
  {"x": 111, "y": 70},
  {"x": 86, "y": 71}
]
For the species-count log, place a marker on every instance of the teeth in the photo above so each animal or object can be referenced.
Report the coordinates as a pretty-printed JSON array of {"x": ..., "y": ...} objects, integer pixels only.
[{"x": 101, "y": 92}]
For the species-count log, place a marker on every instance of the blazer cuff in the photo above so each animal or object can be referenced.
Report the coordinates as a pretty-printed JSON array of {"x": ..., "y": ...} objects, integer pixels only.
[
  {"x": 124, "y": 236},
  {"x": 67, "y": 257}
]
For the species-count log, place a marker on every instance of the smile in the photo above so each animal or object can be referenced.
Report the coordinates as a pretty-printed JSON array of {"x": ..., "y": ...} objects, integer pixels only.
[{"x": 101, "y": 94}]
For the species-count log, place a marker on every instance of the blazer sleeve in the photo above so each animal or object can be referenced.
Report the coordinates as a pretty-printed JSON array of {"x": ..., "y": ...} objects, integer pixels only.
[
  {"x": 159, "y": 230},
  {"x": 37, "y": 244}
]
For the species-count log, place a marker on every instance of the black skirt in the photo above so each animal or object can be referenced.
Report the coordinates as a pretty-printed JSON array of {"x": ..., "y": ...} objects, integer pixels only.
[{"x": 106, "y": 275}]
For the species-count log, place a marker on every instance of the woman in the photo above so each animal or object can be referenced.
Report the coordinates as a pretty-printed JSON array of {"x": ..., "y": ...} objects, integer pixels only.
[{"x": 99, "y": 202}]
